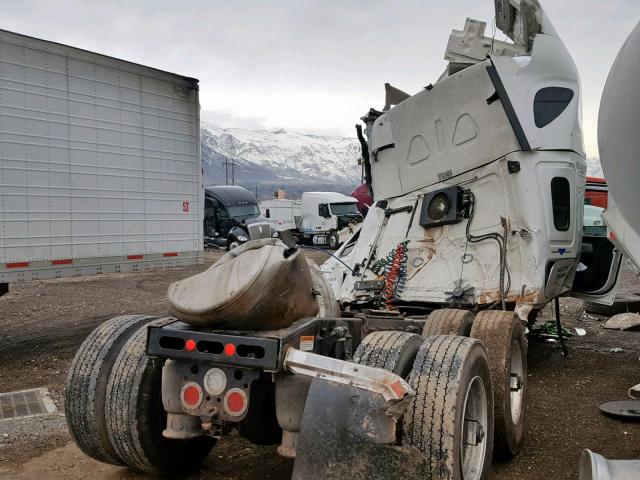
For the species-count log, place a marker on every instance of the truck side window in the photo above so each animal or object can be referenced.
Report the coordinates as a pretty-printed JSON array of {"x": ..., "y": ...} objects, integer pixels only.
[
  {"x": 208, "y": 209},
  {"x": 323, "y": 210},
  {"x": 549, "y": 103},
  {"x": 561, "y": 202}
]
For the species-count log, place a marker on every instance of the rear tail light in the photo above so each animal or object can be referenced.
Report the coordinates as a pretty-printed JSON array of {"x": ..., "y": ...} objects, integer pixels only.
[
  {"x": 190, "y": 345},
  {"x": 191, "y": 395},
  {"x": 235, "y": 402}
]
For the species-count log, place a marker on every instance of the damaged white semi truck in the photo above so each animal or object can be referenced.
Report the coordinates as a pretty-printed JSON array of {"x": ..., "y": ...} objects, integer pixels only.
[{"x": 405, "y": 357}]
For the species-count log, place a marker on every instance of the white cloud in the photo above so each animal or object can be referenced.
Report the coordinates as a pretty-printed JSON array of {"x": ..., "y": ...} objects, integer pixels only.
[{"x": 316, "y": 65}]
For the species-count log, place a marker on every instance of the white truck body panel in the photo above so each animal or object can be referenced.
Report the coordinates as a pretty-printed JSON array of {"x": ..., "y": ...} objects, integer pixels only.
[
  {"x": 99, "y": 163},
  {"x": 619, "y": 145},
  {"x": 281, "y": 213}
]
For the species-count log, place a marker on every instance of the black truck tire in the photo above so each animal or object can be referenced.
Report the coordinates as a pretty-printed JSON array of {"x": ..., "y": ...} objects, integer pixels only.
[
  {"x": 620, "y": 305},
  {"x": 503, "y": 335},
  {"x": 85, "y": 389},
  {"x": 448, "y": 321},
  {"x": 260, "y": 425},
  {"x": 232, "y": 243},
  {"x": 452, "y": 382},
  {"x": 333, "y": 240},
  {"x": 136, "y": 418},
  {"x": 393, "y": 351}
]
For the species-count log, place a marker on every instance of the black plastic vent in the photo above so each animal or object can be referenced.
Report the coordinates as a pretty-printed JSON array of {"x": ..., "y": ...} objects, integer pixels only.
[
  {"x": 561, "y": 201},
  {"x": 549, "y": 103}
]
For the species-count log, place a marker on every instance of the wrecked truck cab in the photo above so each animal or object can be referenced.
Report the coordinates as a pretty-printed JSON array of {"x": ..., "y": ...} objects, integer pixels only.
[{"x": 483, "y": 175}]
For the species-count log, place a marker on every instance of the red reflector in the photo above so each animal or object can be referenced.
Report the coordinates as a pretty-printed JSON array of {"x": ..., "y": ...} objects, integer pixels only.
[
  {"x": 190, "y": 345},
  {"x": 398, "y": 389},
  {"x": 613, "y": 236},
  {"x": 65, "y": 261},
  {"x": 229, "y": 349},
  {"x": 17, "y": 264},
  {"x": 170, "y": 254},
  {"x": 191, "y": 395},
  {"x": 235, "y": 402},
  {"x": 135, "y": 257}
]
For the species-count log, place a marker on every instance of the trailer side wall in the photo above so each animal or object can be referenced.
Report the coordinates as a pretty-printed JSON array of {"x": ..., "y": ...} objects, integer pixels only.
[{"x": 99, "y": 163}]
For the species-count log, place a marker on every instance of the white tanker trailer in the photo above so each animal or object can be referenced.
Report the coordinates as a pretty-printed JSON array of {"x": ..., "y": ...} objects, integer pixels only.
[{"x": 619, "y": 145}]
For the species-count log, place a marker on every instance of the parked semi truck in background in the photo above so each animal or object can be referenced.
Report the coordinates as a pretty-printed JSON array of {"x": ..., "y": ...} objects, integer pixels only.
[
  {"x": 318, "y": 218},
  {"x": 232, "y": 217},
  {"x": 100, "y": 164}
]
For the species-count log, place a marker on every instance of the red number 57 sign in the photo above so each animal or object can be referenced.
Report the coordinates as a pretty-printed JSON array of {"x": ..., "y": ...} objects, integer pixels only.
[{"x": 185, "y": 207}]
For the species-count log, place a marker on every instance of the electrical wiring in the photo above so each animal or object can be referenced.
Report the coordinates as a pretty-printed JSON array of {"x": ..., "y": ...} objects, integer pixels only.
[
  {"x": 502, "y": 244},
  {"x": 393, "y": 268}
]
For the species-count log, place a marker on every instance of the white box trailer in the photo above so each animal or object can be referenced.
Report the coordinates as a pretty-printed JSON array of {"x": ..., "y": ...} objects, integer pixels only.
[
  {"x": 282, "y": 213},
  {"x": 99, "y": 164}
]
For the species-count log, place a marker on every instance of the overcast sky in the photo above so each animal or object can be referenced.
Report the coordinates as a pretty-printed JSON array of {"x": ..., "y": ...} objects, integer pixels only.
[{"x": 311, "y": 66}]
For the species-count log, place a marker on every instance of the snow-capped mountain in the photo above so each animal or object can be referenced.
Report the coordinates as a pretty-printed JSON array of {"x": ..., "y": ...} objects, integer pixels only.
[
  {"x": 279, "y": 157},
  {"x": 265, "y": 160}
]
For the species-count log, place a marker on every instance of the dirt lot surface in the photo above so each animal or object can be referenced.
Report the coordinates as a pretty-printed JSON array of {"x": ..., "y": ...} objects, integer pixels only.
[{"x": 43, "y": 323}]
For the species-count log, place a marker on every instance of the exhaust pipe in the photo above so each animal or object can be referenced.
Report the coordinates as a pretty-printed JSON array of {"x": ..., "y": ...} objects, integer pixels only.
[{"x": 595, "y": 467}]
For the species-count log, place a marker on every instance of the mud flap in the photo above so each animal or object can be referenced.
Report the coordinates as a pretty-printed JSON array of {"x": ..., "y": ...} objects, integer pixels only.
[{"x": 345, "y": 433}]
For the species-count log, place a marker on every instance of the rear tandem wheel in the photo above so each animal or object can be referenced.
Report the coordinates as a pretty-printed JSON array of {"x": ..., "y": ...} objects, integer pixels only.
[
  {"x": 451, "y": 418},
  {"x": 136, "y": 418},
  {"x": 448, "y": 321},
  {"x": 502, "y": 333},
  {"x": 391, "y": 350},
  {"x": 87, "y": 381}
]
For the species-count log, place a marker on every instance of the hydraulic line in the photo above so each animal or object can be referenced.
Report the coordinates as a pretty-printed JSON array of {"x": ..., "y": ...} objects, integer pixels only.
[
  {"x": 355, "y": 274},
  {"x": 502, "y": 246}
]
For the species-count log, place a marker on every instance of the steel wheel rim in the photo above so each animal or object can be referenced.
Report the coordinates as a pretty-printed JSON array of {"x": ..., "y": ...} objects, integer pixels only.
[
  {"x": 516, "y": 382},
  {"x": 333, "y": 242},
  {"x": 234, "y": 245},
  {"x": 473, "y": 444}
]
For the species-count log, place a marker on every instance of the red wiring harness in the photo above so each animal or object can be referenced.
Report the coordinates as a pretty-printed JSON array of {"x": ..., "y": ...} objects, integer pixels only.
[{"x": 393, "y": 281}]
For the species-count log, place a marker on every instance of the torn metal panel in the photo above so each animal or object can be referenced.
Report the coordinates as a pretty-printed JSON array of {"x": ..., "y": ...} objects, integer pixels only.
[
  {"x": 394, "y": 96},
  {"x": 470, "y": 46}
]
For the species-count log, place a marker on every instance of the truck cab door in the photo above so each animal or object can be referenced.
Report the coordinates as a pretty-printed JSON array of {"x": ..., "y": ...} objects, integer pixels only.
[
  {"x": 209, "y": 218},
  {"x": 600, "y": 261},
  {"x": 325, "y": 218}
]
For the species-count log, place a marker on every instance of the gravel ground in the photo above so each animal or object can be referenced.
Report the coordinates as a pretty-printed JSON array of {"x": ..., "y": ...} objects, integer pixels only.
[{"x": 42, "y": 324}]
